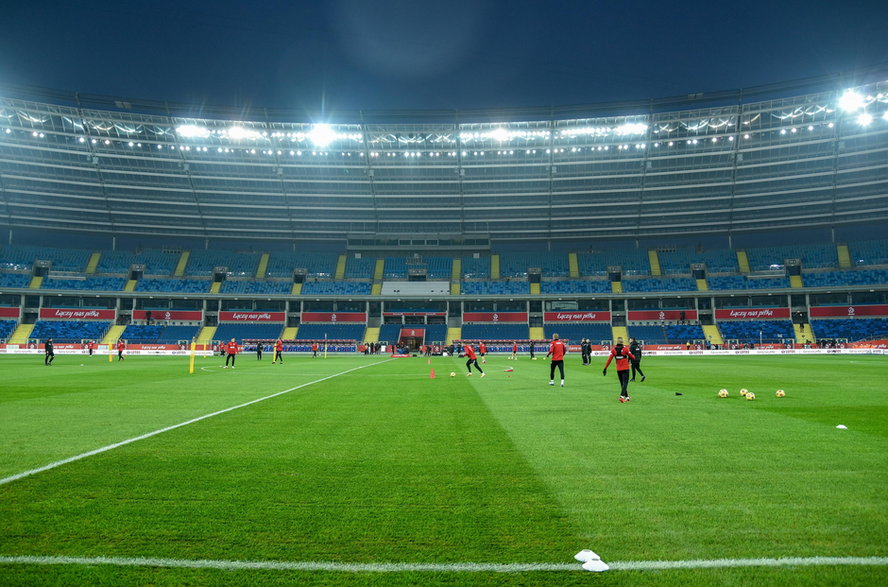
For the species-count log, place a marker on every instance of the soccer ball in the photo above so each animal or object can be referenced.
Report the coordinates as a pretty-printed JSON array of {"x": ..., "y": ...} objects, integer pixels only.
[
  {"x": 723, "y": 393},
  {"x": 750, "y": 396},
  {"x": 780, "y": 393},
  {"x": 744, "y": 391},
  {"x": 452, "y": 374}
]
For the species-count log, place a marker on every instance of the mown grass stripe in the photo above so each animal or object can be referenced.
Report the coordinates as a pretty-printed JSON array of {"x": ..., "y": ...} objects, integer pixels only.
[
  {"x": 90, "y": 453},
  {"x": 438, "y": 567}
]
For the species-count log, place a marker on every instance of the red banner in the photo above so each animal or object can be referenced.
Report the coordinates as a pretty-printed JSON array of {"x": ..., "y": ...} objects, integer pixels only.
[
  {"x": 661, "y": 315},
  {"x": 163, "y": 315},
  {"x": 849, "y": 311},
  {"x": 77, "y": 314},
  {"x": 592, "y": 316},
  {"x": 10, "y": 313},
  {"x": 494, "y": 316},
  {"x": 411, "y": 332},
  {"x": 334, "y": 317},
  {"x": 245, "y": 316},
  {"x": 752, "y": 314},
  {"x": 429, "y": 313}
]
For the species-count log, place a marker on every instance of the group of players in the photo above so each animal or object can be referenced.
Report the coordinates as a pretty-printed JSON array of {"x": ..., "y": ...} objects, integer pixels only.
[{"x": 626, "y": 359}]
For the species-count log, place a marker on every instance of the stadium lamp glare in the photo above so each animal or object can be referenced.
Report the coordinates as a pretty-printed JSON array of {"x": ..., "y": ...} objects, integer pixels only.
[
  {"x": 885, "y": 116},
  {"x": 191, "y": 131},
  {"x": 851, "y": 101},
  {"x": 499, "y": 134},
  {"x": 238, "y": 133},
  {"x": 864, "y": 119},
  {"x": 322, "y": 135},
  {"x": 631, "y": 128}
]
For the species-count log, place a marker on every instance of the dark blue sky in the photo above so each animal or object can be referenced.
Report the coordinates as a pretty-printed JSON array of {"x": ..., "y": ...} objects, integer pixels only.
[{"x": 452, "y": 54}]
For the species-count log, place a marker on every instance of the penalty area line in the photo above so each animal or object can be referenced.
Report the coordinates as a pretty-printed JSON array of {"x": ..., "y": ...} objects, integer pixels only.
[
  {"x": 97, "y": 451},
  {"x": 437, "y": 567}
]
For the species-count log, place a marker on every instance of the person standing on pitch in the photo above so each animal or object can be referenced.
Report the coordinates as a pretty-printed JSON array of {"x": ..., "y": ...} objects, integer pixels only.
[
  {"x": 48, "y": 352},
  {"x": 635, "y": 349},
  {"x": 472, "y": 359},
  {"x": 557, "y": 350},
  {"x": 278, "y": 352},
  {"x": 259, "y": 346},
  {"x": 482, "y": 350},
  {"x": 232, "y": 350},
  {"x": 532, "y": 349},
  {"x": 587, "y": 351},
  {"x": 314, "y": 349},
  {"x": 623, "y": 356},
  {"x": 514, "y": 356},
  {"x": 121, "y": 346}
]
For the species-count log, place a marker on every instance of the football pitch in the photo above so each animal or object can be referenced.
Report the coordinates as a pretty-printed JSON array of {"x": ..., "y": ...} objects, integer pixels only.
[{"x": 365, "y": 470}]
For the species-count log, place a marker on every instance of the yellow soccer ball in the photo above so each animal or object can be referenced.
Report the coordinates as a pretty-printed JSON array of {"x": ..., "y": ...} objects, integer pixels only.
[
  {"x": 723, "y": 393},
  {"x": 744, "y": 391},
  {"x": 750, "y": 396},
  {"x": 780, "y": 393},
  {"x": 452, "y": 374}
]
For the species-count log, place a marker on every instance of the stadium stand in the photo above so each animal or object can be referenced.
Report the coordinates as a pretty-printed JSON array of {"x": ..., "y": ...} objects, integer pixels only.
[
  {"x": 577, "y": 332},
  {"x": 316, "y": 264},
  {"x": 155, "y": 262},
  {"x": 854, "y": 329},
  {"x": 336, "y": 288},
  {"x": 516, "y": 264},
  {"x": 763, "y": 258},
  {"x": 14, "y": 280},
  {"x": 359, "y": 268},
  {"x": 495, "y": 332},
  {"x": 684, "y": 332},
  {"x": 69, "y": 330},
  {"x": 88, "y": 284},
  {"x": 23, "y": 257},
  {"x": 440, "y": 267},
  {"x": 202, "y": 262},
  {"x": 343, "y": 331},
  {"x": 633, "y": 262},
  {"x": 174, "y": 285},
  {"x": 650, "y": 284},
  {"x": 494, "y": 287},
  {"x": 576, "y": 286},
  {"x": 231, "y": 286},
  {"x": 6, "y": 328},
  {"x": 158, "y": 333},
  {"x": 473, "y": 268},
  {"x": 680, "y": 260},
  {"x": 743, "y": 282},
  {"x": 648, "y": 334},
  {"x": 395, "y": 268},
  {"x": 871, "y": 252},
  {"x": 838, "y": 278},
  {"x": 433, "y": 332},
  {"x": 239, "y": 331},
  {"x": 748, "y": 332}
]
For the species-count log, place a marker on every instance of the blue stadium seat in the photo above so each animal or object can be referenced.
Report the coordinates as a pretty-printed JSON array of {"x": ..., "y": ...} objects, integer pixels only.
[
  {"x": 763, "y": 258},
  {"x": 238, "y": 331},
  {"x": 321, "y": 265},
  {"x": 6, "y": 328},
  {"x": 633, "y": 262},
  {"x": 359, "y": 268},
  {"x": 653, "y": 284},
  {"x": 748, "y": 331},
  {"x": 494, "y": 287},
  {"x": 839, "y": 278},
  {"x": 853, "y": 329},
  {"x": 89, "y": 283},
  {"x": 495, "y": 332},
  {"x": 680, "y": 260},
  {"x": 574, "y": 332},
  {"x": 174, "y": 285},
  {"x": 516, "y": 264},
  {"x": 69, "y": 330},
  {"x": 14, "y": 280},
  {"x": 155, "y": 262},
  {"x": 202, "y": 262},
  {"x": 871, "y": 252},
  {"x": 343, "y": 331},
  {"x": 571, "y": 286},
  {"x": 473, "y": 268},
  {"x": 23, "y": 257},
  {"x": 334, "y": 288},
  {"x": 256, "y": 287},
  {"x": 743, "y": 282}
]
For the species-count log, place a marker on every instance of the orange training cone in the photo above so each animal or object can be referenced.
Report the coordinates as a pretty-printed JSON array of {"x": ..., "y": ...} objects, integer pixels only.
[
  {"x": 429, "y": 361},
  {"x": 432, "y": 374}
]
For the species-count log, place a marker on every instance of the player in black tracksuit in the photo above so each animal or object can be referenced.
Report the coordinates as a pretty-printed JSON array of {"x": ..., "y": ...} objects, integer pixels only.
[
  {"x": 48, "y": 352},
  {"x": 635, "y": 349}
]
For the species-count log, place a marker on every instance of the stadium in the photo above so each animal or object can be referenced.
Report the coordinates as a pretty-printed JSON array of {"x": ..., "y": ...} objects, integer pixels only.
[{"x": 706, "y": 226}]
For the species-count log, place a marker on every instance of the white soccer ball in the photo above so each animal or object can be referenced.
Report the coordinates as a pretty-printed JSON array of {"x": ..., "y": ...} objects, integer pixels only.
[
  {"x": 723, "y": 393},
  {"x": 452, "y": 374},
  {"x": 780, "y": 393},
  {"x": 750, "y": 396},
  {"x": 744, "y": 391}
]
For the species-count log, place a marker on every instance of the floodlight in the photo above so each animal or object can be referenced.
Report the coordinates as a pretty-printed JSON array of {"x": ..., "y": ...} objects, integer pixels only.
[
  {"x": 885, "y": 116},
  {"x": 631, "y": 128},
  {"x": 192, "y": 131},
  {"x": 322, "y": 135},
  {"x": 238, "y": 133},
  {"x": 851, "y": 101},
  {"x": 499, "y": 134},
  {"x": 864, "y": 119}
]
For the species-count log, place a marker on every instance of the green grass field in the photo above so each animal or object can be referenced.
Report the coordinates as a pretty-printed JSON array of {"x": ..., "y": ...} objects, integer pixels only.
[{"x": 378, "y": 463}]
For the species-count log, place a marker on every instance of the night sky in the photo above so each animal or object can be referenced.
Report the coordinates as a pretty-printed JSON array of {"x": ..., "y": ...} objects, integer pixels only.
[{"x": 453, "y": 54}]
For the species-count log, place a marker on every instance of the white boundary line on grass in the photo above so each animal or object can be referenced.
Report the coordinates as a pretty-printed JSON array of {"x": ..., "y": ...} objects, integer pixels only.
[
  {"x": 18, "y": 476},
  {"x": 439, "y": 567}
]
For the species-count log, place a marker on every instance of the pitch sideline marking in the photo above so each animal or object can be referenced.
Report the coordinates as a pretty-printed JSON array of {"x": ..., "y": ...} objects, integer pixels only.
[
  {"x": 439, "y": 567},
  {"x": 55, "y": 464}
]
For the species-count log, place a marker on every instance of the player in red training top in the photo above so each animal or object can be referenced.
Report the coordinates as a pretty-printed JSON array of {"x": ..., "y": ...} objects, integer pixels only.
[
  {"x": 278, "y": 352},
  {"x": 314, "y": 349},
  {"x": 514, "y": 356},
  {"x": 472, "y": 359},
  {"x": 623, "y": 356},
  {"x": 557, "y": 350},
  {"x": 482, "y": 350},
  {"x": 231, "y": 349},
  {"x": 121, "y": 346}
]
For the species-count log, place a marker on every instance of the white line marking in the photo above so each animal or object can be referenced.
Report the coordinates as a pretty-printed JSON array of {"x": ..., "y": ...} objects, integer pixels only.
[
  {"x": 437, "y": 567},
  {"x": 173, "y": 427}
]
